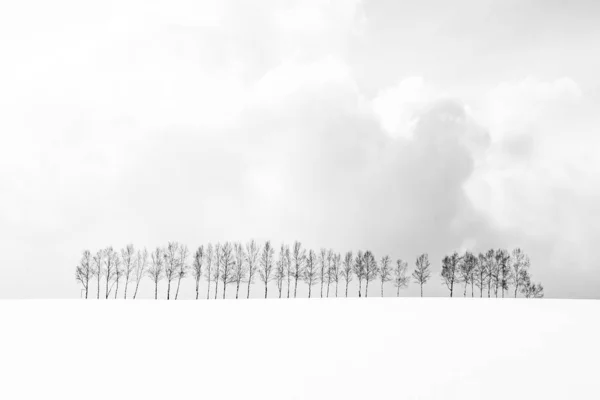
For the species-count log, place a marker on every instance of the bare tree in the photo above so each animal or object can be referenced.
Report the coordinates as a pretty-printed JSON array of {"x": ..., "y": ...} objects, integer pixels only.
[
  {"x": 489, "y": 269},
  {"x": 520, "y": 264},
  {"x": 530, "y": 289},
  {"x": 266, "y": 265},
  {"x": 239, "y": 269},
  {"x": 227, "y": 264},
  {"x": 481, "y": 272},
  {"x": 298, "y": 256},
  {"x": 322, "y": 268},
  {"x": 182, "y": 266},
  {"x": 217, "y": 268},
  {"x": 118, "y": 271},
  {"x": 170, "y": 264},
  {"x": 209, "y": 262},
  {"x": 128, "y": 257},
  {"x": 347, "y": 269},
  {"x": 422, "y": 273},
  {"x": 280, "y": 270},
  {"x": 336, "y": 272},
  {"x": 141, "y": 263},
  {"x": 252, "y": 250},
  {"x": 359, "y": 270},
  {"x": 503, "y": 262},
  {"x": 371, "y": 270},
  {"x": 197, "y": 265},
  {"x": 310, "y": 273},
  {"x": 400, "y": 278},
  {"x": 98, "y": 261},
  {"x": 385, "y": 271},
  {"x": 84, "y": 271},
  {"x": 110, "y": 260},
  {"x": 450, "y": 270},
  {"x": 329, "y": 269},
  {"x": 288, "y": 268},
  {"x": 155, "y": 272},
  {"x": 465, "y": 271}
]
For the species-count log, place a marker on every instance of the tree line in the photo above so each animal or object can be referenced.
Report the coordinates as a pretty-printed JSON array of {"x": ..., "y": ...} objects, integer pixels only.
[{"x": 236, "y": 265}]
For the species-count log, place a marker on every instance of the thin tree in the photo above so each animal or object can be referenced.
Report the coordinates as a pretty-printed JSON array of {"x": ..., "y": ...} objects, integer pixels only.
[
  {"x": 400, "y": 278},
  {"x": 85, "y": 271},
  {"x": 252, "y": 250},
  {"x": 450, "y": 270},
  {"x": 197, "y": 265},
  {"x": 503, "y": 261},
  {"x": 329, "y": 270},
  {"x": 182, "y": 266},
  {"x": 371, "y": 270},
  {"x": 422, "y": 273},
  {"x": 266, "y": 265},
  {"x": 217, "y": 268},
  {"x": 298, "y": 257},
  {"x": 480, "y": 274},
  {"x": 465, "y": 271},
  {"x": 280, "y": 270},
  {"x": 288, "y": 268},
  {"x": 141, "y": 263},
  {"x": 98, "y": 261},
  {"x": 155, "y": 272},
  {"x": 489, "y": 269},
  {"x": 110, "y": 260},
  {"x": 336, "y": 271},
  {"x": 128, "y": 257},
  {"x": 227, "y": 264},
  {"x": 359, "y": 270},
  {"x": 520, "y": 264},
  {"x": 239, "y": 269},
  {"x": 322, "y": 268},
  {"x": 385, "y": 271},
  {"x": 347, "y": 268},
  {"x": 209, "y": 263},
  {"x": 310, "y": 273},
  {"x": 118, "y": 271},
  {"x": 170, "y": 264}
]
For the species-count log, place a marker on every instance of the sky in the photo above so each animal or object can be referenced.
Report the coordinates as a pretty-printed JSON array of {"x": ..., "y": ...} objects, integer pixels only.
[{"x": 400, "y": 128}]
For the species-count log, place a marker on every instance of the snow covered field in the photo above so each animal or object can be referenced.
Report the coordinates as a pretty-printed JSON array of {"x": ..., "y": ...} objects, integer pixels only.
[{"x": 300, "y": 349}]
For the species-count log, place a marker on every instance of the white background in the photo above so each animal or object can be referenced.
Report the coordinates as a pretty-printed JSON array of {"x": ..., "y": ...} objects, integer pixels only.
[{"x": 300, "y": 349}]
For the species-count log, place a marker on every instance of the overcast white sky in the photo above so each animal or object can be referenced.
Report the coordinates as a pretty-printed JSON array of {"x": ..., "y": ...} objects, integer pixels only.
[{"x": 347, "y": 124}]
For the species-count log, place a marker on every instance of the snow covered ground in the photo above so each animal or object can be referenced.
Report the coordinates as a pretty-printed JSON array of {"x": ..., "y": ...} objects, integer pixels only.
[{"x": 300, "y": 349}]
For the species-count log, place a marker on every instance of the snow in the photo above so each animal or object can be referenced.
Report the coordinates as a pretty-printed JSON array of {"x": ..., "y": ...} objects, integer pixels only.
[{"x": 313, "y": 349}]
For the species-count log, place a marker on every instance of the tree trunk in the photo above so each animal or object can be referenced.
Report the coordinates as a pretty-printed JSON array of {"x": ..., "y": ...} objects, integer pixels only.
[
  {"x": 381, "y": 288},
  {"x": 451, "y": 289},
  {"x": 117, "y": 288},
  {"x": 321, "y": 287},
  {"x": 472, "y": 289},
  {"x": 421, "y": 290},
  {"x": 327, "y": 289},
  {"x": 224, "y": 289},
  {"x": 280, "y": 288},
  {"x": 208, "y": 287},
  {"x": 237, "y": 290},
  {"x": 249, "y": 280},
  {"x": 126, "y": 284},
  {"x": 295, "y": 286},
  {"x": 98, "y": 296},
  {"x": 288, "y": 289},
  {"x": 136, "y": 289},
  {"x": 216, "y": 287},
  {"x": 156, "y": 290},
  {"x": 177, "y": 292},
  {"x": 309, "y": 290},
  {"x": 197, "y": 287},
  {"x": 347, "y": 288},
  {"x": 359, "y": 288},
  {"x": 168, "y": 289},
  {"x": 367, "y": 289},
  {"x": 265, "y": 290},
  {"x": 465, "y": 293},
  {"x": 107, "y": 286},
  {"x": 86, "y": 289},
  {"x": 516, "y": 287}
]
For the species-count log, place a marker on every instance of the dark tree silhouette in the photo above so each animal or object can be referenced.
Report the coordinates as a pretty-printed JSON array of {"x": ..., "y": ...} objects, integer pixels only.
[
  {"x": 98, "y": 261},
  {"x": 252, "y": 251},
  {"x": 400, "y": 278},
  {"x": 128, "y": 257},
  {"x": 182, "y": 266},
  {"x": 530, "y": 289},
  {"x": 226, "y": 266},
  {"x": 336, "y": 272},
  {"x": 110, "y": 261},
  {"x": 298, "y": 256},
  {"x": 347, "y": 270},
  {"x": 329, "y": 270},
  {"x": 239, "y": 269},
  {"x": 84, "y": 271},
  {"x": 422, "y": 273},
  {"x": 359, "y": 270},
  {"x": 465, "y": 271},
  {"x": 385, "y": 271},
  {"x": 503, "y": 262},
  {"x": 310, "y": 273},
  {"x": 489, "y": 269},
  {"x": 170, "y": 264},
  {"x": 371, "y": 270},
  {"x": 118, "y": 271},
  {"x": 141, "y": 263},
  {"x": 520, "y": 265},
  {"x": 280, "y": 270},
  {"x": 450, "y": 270},
  {"x": 155, "y": 272},
  {"x": 209, "y": 263},
  {"x": 266, "y": 265},
  {"x": 481, "y": 273},
  {"x": 217, "y": 268},
  {"x": 322, "y": 268},
  {"x": 197, "y": 265}
]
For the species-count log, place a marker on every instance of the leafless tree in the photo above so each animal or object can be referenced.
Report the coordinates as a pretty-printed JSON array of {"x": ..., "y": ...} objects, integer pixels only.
[
  {"x": 385, "y": 271},
  {"x": 359, "y": 270},
  {"x": 84, "y": 271},
  {"x": 197, "y": 265},
  {"x": 520, "y": 264},
  {"x": 288, "y": 268},
  {"x": 422, "y": 273},
  {"x": 400, "y": 278},
  {"x": 182, "y": 266},
  {"x": 110, "y": 261},
  {"x": 530, "y": 289},
  {"x": 141, "y": 263},
  {"x": 171, "y": 264},
  {"x": 480, "y": 275},
  {"x": 322, "y": 268},
  {"x": 118, "y": 271},
  {"x": 450, "y": 270},
  {"x": 98, "y": 261},
  {"x": 299, "y": 257},
  {"x": 280, "y": 270},
  {"x": 266, "y": 265},
  {"x": 217, "y": 268},
  {"x": 347, "y": 268},
  {"x": 329, "y": 269},
  {"x": 128, "y": 257},
  {"x": 239, "y": 267},
  {"x": 465, "y": 271},
  {"x": 226, "y": 266},
  {"x": 371, "y": 270},
  {"x": 310, "y": 273},
  {"x": 336, "y": 271},
  {"x": 155, "y": 272},
  {"x": 252, "y": 250},
  {"x": 503, "y": 262},
  {"x": 209, "y": 263},
  {"x": 489, "y": 269}
]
